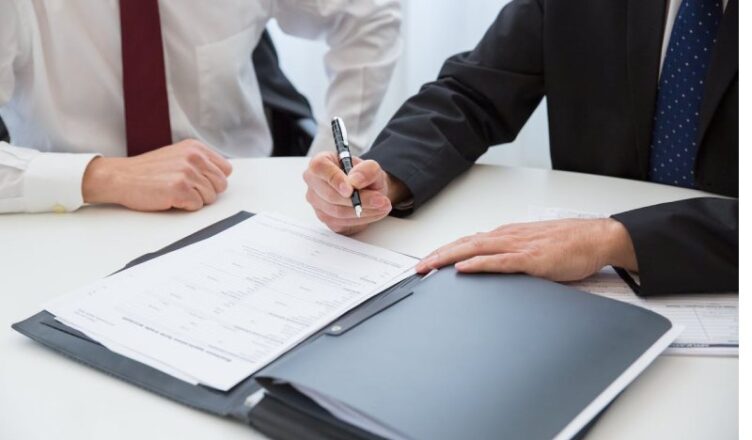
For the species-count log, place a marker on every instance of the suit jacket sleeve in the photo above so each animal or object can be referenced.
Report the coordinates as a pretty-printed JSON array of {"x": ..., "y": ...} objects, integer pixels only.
[
  {"x": 481, "y": 98},
  {"x": 686, "y": 246}
]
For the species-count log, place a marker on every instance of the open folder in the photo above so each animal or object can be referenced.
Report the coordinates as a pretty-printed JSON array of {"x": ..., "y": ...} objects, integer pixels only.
[{"x": 448, "y": 356}]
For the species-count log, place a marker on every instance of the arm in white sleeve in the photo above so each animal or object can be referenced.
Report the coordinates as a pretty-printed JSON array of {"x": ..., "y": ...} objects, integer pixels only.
[
  {"x": 31, "y": 181},
  {"x": 364, "y": 45}
]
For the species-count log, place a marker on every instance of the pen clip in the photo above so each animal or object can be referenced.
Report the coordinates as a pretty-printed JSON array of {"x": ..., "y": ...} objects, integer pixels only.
[{"x": 340, "y": 132}]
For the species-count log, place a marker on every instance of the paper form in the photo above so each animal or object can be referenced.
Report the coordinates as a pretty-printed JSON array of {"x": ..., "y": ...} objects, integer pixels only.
[
  {"x": 711, "y": 321},
  {"x": 219, "y": 310}
]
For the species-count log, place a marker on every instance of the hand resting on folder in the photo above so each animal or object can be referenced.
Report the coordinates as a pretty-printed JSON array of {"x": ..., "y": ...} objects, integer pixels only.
[{"x": 560, "y": 250}]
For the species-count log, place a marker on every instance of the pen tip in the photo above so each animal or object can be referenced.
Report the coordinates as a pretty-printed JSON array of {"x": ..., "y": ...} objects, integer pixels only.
[{"x": 358, "y": 211}]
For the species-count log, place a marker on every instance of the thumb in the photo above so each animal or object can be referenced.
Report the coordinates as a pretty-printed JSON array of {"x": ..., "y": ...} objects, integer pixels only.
[{"x": 365, "y": 174}]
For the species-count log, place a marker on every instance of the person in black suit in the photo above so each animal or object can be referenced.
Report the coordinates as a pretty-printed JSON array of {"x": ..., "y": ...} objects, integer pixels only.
[{"x": 641, "y": 89}]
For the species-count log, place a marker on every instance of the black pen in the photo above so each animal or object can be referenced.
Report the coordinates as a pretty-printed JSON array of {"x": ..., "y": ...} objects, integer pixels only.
[{"x": 345, "y": 160}]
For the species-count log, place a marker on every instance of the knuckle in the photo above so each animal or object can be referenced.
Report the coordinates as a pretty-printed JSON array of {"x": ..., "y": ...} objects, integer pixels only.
[
  {"x": 190, "y": 145},
  {"x": 476, "y": 243},
  {"x": 310, "y": 197},
  {"x": 179, "y": 185},
  {"x": 193, "y": 143},
  {"x": 370, "y": 166},
  {"x": 194, "y": 156},
  {"x": 464, "y": 240},
  {"x": 318, "y": 163},
  {"x": 186, "y": 172}
]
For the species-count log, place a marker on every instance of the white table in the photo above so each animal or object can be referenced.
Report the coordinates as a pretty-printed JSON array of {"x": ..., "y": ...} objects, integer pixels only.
[{"x": 44, "y": 395}]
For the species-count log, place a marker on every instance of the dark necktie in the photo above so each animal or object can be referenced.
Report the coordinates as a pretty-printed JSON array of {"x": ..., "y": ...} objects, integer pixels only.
[
  {"x": 147, "y": 114},
  {"x": 676, "y": 122}
]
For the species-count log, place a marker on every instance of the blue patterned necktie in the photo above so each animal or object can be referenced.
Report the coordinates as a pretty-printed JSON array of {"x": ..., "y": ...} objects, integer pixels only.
[{"x": 677, "y": 113}]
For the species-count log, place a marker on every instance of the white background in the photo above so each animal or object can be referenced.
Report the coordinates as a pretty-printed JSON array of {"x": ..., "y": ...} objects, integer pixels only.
[{"x": 432, "y": 31}]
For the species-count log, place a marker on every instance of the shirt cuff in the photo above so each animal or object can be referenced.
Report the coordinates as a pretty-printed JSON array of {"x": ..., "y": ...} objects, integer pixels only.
[{"x": 53, "y": 182}]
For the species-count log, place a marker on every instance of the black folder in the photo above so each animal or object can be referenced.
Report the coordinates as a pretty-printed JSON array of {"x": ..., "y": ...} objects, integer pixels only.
[{"x": 512, "y": 356}]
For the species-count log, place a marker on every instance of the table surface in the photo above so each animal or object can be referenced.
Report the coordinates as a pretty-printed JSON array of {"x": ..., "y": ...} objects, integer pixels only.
[{"x": 44, "y": 395}]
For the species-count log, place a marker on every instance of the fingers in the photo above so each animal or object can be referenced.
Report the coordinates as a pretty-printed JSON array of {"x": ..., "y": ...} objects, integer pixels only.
[
  {"x": 375, "y": 207},
  {"x": 346, "y": 226},
  {"x": 191, "y": 200},
  {"x": 324, "y": 167},
  {"x": 464, "y": 248},
  {"x": 205, "y": 189},
  {"x": 367, "y": 174},
  {"x": 215, "y": 175},
  {"x": 215, "y": 158},
  {"x": 207, "y": 172},
  {"x": 325, "y": 192},
  {"x": 501, "y": 263},
  {"x": 368, "y": 198},
  {"x": 329, "y": 191},
  {"x": 193, "y": 190}
]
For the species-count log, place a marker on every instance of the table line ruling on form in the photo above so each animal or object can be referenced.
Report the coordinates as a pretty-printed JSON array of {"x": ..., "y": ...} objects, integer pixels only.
[
  {"x": 219, "y": 310},
  {"x": 711, "y": 322}
]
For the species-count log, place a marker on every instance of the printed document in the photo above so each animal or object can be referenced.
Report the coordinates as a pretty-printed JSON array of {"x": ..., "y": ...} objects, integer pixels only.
[
  {"x": 217, "y": 311},
  {"x": 711, "y": 322}
]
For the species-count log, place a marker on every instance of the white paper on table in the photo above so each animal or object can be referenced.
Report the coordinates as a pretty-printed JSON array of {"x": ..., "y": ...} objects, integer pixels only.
[
  {"x": 219, "y": 310},
  {"x": 711, "y": 321}
]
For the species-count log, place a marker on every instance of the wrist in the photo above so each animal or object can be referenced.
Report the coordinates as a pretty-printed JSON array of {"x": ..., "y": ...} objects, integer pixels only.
[
  {"x": 97, "y": 182},
  {"x": 397, "y": 191},
  {"x": 619, "y": 249}
]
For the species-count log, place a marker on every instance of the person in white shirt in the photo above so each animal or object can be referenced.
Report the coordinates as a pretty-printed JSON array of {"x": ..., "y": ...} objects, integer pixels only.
[{"x": 92, "y": 121}]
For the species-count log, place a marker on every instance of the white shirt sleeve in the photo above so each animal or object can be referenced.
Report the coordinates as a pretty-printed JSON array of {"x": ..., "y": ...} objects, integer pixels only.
[
  {"x": 364, "y": 45},
  {"x": 31, "y": 181}
]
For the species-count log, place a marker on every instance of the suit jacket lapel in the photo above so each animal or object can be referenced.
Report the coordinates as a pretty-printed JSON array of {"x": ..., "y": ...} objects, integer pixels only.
[
  {"x": 645, "y": 24},
  {"x": 724, "y": 66}
]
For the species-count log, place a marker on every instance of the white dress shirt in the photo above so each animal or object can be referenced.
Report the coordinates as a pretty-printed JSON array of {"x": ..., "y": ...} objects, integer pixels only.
[{"x": 61, "y": 92}]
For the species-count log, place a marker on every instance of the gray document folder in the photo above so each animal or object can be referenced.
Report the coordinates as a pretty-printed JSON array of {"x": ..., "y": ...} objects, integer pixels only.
[
  {"x": 476, "y": 356},
  {"x": 446, "y": 357}
]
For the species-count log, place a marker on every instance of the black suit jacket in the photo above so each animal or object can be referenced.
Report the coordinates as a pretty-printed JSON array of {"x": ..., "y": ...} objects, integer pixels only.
[{"x": 597, "y": 63}]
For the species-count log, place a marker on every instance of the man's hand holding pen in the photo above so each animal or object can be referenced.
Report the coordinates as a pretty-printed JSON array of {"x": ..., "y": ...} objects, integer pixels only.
[{"x": 329, "y": 191}]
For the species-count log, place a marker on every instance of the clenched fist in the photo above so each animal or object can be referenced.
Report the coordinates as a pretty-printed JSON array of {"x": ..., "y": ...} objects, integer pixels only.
[{"x": 186, "y": 175}]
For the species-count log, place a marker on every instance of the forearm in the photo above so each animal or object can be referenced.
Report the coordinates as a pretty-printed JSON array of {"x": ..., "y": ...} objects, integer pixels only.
[{"x": 481, "y": 98}]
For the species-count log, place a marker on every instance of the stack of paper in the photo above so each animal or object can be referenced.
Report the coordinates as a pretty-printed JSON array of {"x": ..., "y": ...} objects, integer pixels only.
[
  {"x": 217, "y": 311},
  {"x": 711, "y": 322}
]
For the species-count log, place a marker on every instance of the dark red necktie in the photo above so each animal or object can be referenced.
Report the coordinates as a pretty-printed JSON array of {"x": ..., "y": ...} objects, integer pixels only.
[{"x": 147, "y": 114}]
